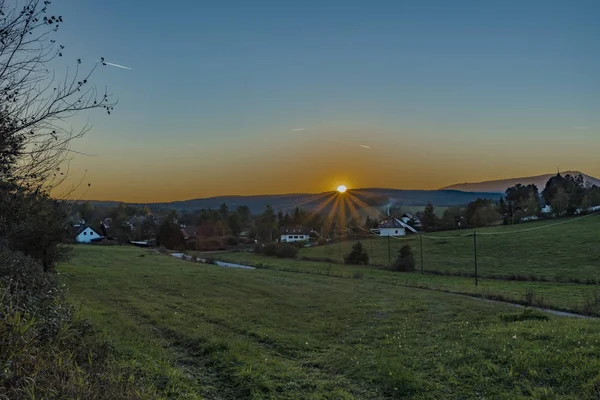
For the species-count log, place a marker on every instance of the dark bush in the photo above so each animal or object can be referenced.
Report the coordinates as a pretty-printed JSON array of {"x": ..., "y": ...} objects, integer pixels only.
[
  {"x": 191, "y": 244},
  {"x": 299, "y": 244},
  {"x": 406, "y": 260},
  {"x": 42, "y": 341},
  {"x": 209, "y": 244},
  {"x": 258, "y": 248},
  {"x": 358, "y": 255},
  {"x": 270, "y": 249},
  {"x": 285, "y": 250},
  {"x": 242, "y": 240},
  {"x": 230, "y": 240},
  {"x": 321, "y": 241}
]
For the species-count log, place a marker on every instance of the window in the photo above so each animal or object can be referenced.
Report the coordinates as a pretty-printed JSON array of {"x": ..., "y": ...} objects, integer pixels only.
[
  {"x": 84, "y": 233},
  {"x": 295, "y": 237},
  {"x": 396, "y": 231}
]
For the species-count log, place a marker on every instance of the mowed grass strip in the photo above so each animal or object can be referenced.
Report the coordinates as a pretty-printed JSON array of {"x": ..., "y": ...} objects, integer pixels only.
[
  {"x": 267, "y": 334},
  {"x": 577, "y": 298},
  {"x": 566, "y": 252}
]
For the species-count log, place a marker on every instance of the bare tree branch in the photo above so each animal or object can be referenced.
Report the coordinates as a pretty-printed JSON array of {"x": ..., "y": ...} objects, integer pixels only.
[{"x": 34, "y": 105}]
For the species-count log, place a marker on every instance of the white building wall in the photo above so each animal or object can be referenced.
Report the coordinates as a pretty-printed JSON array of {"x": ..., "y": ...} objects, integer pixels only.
[
  {"x": 392, "y": 232},
  {"x": 293, "y": 238},
  {"x": 87, "y": 235}
]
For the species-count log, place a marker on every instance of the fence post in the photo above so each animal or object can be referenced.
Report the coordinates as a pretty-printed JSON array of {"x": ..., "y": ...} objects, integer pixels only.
[
  {"x": 389, "y": 251},
  {"x": 421, "y": 239},
  {"x": 475, "y": 252}
]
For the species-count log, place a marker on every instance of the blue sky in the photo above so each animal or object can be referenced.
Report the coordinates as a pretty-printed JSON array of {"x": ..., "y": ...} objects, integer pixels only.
[{"x": 440, "y": 91}]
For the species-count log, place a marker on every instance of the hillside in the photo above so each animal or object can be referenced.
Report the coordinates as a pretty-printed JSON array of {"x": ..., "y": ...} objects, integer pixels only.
[
  {"x": 371, "y": 196},
  {"x": 499, "y": 186}
]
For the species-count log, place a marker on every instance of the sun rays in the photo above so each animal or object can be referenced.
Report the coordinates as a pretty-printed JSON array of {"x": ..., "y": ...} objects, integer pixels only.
[{"x": 343, "y": 207}]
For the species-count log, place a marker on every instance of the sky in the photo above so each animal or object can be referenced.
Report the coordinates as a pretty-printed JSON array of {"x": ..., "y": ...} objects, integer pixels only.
[{"x": 263, "y": 97}]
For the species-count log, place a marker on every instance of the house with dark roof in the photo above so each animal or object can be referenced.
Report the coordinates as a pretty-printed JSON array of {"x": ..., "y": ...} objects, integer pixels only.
[
  {"x": 295, "y": 234},
  {"x": 393, "y": 227},
  {"x": 85, "y": 234},
  {"x": 186, "y": 232}
]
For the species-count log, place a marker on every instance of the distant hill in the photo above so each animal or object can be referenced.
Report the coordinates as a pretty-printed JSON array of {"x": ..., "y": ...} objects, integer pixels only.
[
  {"x": 500, "y": 186},
  {"x": 370, "y": 197}
]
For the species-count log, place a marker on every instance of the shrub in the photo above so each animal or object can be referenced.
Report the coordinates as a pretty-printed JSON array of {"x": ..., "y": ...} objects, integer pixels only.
[
  {"x": 209, "y": 244},
  {"x": 258, "y": 248},
  {"x": 406, "y": 260},
  {"x": 230, "y": 240},
  {"x": 42, "y": 341},
  {"x": 242, "y": 240},
  {"x": 321, "y": 241},
  {"x": 270, "y": 249},
  {"x": 285, "y": 250},
  {"x": 191, "y": 244},
  {"x": 358, "y": 255},
  {"x": 299, "y": 244}
]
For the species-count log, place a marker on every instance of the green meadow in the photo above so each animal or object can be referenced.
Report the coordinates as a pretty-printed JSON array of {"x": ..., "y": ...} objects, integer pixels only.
[
  {"x": 542, "y": 250},
  {"x": 295, "y": 329}
]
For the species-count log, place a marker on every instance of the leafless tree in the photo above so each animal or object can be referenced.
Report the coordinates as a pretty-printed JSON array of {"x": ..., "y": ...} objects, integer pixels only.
[{"x": 35, "y": 141}]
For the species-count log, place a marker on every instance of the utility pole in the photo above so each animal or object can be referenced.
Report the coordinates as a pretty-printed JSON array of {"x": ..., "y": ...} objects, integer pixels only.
[
  {"x": 475, "y": 252},
  {"x": 421, "y": 239},
  {"x": 389, "y": 251}
]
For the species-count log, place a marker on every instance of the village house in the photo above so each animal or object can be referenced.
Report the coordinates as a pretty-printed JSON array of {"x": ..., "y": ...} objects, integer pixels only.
[
  {"x": 187, "y": 233},
  {"x": 393, "y": 227},
  {"x": 295, "y": 234},
  {"x": 85, "y": 234}
]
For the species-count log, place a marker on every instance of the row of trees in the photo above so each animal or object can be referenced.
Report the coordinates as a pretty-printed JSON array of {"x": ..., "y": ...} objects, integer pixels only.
[
  {"x": 479, "y": 213},
  {"x": 566, "y": 195},
  {"x": 569, "y": 194}
]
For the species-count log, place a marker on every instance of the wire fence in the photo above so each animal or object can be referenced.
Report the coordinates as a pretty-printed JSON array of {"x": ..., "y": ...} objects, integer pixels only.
[{"x": 563, "y": 251}]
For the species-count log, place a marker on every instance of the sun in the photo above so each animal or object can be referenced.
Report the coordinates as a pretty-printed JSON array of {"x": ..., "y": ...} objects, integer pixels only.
[{"x": 341, "y": 188}]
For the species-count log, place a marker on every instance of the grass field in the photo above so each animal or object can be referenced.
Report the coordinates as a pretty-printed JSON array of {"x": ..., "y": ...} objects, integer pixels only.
[
  {"x": 578, "y": 298},
  {"x": 562, "y": 252},
  {"x": 220, "y": 333}
]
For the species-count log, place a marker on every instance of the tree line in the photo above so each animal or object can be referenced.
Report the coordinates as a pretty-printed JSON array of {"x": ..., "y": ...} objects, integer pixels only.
[{"x": 564, "y": 195}]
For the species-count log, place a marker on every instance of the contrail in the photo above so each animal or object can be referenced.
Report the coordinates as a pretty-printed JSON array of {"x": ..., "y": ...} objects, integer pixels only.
[
  {"x": 364, "y": 146},
  {"x": 298, "y": 129},
  {"x": 114, "y": 65}
]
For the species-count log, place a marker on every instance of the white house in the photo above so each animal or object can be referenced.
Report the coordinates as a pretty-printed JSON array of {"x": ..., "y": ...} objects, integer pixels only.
[
  {"x": 295, "y": 234},
  {"x": 394, "y": 227},
  {"x": 85, "y": 234}
]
